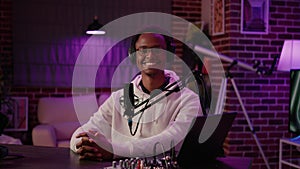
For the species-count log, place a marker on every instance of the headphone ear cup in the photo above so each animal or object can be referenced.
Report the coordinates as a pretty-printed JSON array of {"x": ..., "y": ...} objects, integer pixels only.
[
  {"x": 171, "y": 49},
  {"x": 131, "y": 55},
  {"x": 132, "y": 58}
]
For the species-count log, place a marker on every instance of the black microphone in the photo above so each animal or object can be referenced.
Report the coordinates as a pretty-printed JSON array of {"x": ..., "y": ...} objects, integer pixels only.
[
  {"x": 128, "y": 100},
  {"x": 129, "y": 103}
]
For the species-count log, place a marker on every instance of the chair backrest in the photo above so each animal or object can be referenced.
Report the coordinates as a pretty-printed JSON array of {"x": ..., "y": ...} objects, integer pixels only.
[{"x": 102, "y": 98}]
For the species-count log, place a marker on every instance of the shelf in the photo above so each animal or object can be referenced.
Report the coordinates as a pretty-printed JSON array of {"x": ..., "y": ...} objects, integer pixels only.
[{"x": 289, "y": 161}]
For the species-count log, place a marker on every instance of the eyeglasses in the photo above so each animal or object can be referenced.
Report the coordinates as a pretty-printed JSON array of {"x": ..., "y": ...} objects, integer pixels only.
[{"x": 146, "y": 51}]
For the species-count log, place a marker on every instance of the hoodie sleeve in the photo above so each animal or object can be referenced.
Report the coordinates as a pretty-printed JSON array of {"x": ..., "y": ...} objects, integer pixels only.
[{"x": 98, "y": 127}]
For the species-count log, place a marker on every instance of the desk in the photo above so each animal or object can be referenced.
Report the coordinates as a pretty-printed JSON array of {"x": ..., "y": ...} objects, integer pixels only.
[
  {"x": 45, "y": 158},
  {"x": 64, "y": 158}
]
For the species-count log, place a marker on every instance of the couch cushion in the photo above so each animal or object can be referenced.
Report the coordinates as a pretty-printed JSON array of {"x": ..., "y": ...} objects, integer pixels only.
[
  {"x": 63, "y": 143},
  {"x": 44, "y": 135},
  {"x": 56, "y": 110},
  {"x": 65, "y": 130}
]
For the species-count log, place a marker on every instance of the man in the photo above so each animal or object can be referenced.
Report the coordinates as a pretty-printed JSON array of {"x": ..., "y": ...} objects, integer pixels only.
[{"x": 107, "y": 135}]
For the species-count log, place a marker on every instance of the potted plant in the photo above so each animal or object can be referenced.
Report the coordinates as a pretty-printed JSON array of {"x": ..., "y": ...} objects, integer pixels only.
[{"x": 7, "y": 104}]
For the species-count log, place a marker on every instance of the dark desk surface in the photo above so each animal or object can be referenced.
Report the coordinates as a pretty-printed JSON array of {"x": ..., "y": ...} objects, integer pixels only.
[{"x": 31, "y": 157}]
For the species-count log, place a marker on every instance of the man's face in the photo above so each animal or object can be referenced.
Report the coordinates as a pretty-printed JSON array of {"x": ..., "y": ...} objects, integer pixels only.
[{"x": 151, "y": 53}]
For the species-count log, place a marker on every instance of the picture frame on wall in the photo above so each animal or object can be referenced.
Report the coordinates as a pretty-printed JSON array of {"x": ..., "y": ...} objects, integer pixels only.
[
  {"x": 254, "y": 16},
  {"x": 17, "y": 114},
  {"x": 218, "y": 17}
]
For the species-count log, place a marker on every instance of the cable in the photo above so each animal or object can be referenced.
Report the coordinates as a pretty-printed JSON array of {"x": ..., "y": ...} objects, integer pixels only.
[
  {"x": 172, "y": 150},
  {"x": 180, "y": 84},
  {"x": 138, "y": 122},
  {"x": 163, "y": 149}
]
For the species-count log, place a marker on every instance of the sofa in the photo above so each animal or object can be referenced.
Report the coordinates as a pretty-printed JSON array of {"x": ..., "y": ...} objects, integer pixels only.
[{"x": 58, "y": 119}]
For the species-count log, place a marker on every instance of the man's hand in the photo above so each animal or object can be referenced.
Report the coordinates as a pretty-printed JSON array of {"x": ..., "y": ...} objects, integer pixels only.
[{"x": 88, "y": 149}]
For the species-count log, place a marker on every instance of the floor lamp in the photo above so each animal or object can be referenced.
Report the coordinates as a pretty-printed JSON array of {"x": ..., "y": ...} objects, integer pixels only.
[{"x": 257, "y": 69}]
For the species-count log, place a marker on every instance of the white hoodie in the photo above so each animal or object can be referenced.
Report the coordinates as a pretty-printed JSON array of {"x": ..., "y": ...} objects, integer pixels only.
[{"x": 165, "y": 123}]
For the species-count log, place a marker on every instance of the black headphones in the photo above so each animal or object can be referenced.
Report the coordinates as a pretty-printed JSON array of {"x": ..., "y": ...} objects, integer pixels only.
[{"x": 169, "y": 43}]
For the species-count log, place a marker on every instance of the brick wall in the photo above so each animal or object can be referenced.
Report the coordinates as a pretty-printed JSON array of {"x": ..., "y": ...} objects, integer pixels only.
[
  {"x": 190, "y": 10},
  {"x": 265, "y": 97}
]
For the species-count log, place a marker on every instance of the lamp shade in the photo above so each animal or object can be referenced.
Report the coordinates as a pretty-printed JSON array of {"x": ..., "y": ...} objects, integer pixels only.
[
  {"x": 290, "y": 56},
  {"x": 94, "y": 28}
]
